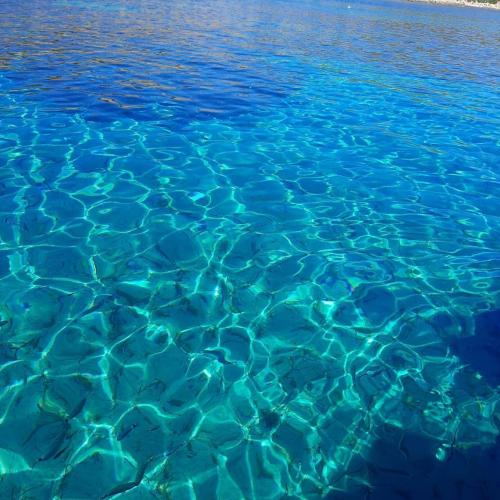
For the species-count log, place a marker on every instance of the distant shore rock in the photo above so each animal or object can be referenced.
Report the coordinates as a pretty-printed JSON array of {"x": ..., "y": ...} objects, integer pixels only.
[{"x": 488, "y": 4}]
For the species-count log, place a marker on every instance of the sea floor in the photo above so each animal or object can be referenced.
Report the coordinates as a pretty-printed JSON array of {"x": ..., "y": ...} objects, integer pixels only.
[{"x": 248, "y": 250}]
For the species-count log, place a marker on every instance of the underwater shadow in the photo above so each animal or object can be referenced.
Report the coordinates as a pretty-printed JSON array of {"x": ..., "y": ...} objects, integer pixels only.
[
  {"x": 418, "y": 474},
  {"x": 481, "y": 351},
  {"x": 403, "y": 466}
]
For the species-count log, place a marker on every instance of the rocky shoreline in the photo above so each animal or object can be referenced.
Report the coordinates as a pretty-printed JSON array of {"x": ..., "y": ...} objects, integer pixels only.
[{"x": 463, "y": 3}]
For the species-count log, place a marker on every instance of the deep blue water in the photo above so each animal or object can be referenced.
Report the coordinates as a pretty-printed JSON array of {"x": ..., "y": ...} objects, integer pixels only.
[{"x": 249, "y": 250}]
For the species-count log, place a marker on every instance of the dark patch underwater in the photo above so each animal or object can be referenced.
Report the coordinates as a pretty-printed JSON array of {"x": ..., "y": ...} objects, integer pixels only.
[{"x": 481, "y": 351}]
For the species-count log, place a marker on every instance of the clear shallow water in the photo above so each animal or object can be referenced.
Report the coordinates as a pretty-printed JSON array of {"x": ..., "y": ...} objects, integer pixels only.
[{"x": 248, "y": 250}]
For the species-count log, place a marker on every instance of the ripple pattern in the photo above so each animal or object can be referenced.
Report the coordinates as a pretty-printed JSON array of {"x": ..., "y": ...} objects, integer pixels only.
[{"x": 237, "y": 241}]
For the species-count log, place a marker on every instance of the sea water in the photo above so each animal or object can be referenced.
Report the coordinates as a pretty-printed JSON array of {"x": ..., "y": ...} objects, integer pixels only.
[{"x": 249, "y": 249}]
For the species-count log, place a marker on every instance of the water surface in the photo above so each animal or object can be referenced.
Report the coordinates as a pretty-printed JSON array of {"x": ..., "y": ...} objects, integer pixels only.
[{"x": 248, "y": 250}]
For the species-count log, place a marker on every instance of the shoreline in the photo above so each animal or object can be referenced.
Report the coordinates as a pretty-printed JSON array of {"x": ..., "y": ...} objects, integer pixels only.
[{"x": 461, "y": 3}]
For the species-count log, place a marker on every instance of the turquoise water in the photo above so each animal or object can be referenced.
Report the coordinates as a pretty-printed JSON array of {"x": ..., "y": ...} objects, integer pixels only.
[{"x": 249, "y": 250}]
